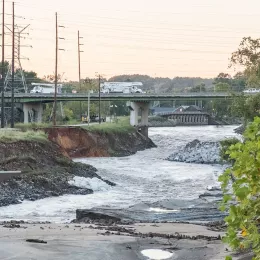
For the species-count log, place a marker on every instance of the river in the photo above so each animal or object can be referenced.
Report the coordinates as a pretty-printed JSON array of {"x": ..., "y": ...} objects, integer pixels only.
[{"x": 148, "y": 186}]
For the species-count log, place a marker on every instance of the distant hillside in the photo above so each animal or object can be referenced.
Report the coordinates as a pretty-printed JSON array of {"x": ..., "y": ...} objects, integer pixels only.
[{"x": 164, "y": 85}]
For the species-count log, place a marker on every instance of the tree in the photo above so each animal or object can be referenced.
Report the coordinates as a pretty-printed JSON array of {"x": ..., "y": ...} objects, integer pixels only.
[
  {"x": 248, "y": 56},
  {"x": 199, "y": 88},
  {"x": 246, "y": 107},
  {"x": 238, "y": 106},
  {"x": 31, "y": 77},
  {"x": 222, "y": 87},
  {"x": 67, "y": 88},
  {"x": 51, "y": 78},
  {"x": 239, "y": 81},
  {"x": 6, "y": 65},
  {"x": 90, "y": 84},
  {"x": 223, "y": 78}
]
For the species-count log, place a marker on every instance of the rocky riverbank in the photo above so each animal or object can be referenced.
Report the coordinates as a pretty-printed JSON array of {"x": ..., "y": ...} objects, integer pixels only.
[
  {"x": 47, "y": 168},
  {"x": 198, "y": 152},
  {"x": 46, "y": 172}
]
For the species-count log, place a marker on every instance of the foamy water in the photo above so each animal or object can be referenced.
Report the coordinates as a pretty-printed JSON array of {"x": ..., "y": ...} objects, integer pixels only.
[
  {"x": 156, "y": 254},
  {"x": 145, "y": 177}
]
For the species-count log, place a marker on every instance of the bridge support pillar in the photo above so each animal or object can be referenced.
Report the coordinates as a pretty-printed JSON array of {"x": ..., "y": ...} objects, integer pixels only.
[
  {"x": 139, "y": 108},
  {"x": 32, "y": 112},
  {"x": 143, "y": 109}
]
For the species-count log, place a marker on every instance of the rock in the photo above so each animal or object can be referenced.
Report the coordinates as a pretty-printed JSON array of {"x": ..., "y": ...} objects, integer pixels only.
[
  {"x": 213, "y": 188},
  {"x": 12, "y": 226},
  {"x": 198, "y": 152},
  {"x": 90, "y": 216},
  {"x": 36, "y": 241},
  {"x": 240, "y": 130}
]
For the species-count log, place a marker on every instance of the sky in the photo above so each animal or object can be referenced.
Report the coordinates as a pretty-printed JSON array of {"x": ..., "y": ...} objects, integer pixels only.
[{"x": 166, "y": 38}]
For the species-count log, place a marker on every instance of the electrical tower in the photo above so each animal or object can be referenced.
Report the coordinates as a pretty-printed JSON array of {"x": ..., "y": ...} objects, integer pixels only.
[{"x": 20, "y": 85}]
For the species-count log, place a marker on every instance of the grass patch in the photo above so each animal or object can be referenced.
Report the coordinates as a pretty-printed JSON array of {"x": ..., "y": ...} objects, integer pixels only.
[
  {"x": 63, "y": 161},
  {"x": 121, "y": 126},
  {"x": 31, "y": 126},
  {"x": 9, "y": 136}
]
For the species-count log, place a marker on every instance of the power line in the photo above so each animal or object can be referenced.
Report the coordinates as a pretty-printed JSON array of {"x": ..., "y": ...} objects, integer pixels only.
[{"x": 142, "y": 12}]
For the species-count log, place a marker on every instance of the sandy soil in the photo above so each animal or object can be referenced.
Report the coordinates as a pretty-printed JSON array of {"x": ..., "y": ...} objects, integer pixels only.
[{"x": 75, "y": 241}]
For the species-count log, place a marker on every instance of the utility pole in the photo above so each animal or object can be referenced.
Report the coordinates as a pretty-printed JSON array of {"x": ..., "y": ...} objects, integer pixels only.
[
  {"x": 88, "y": 107},
  {"x": 12, "y": 96},
  {"x": 3, "y": 69},
  {"x": 99, "y": 100},
  {"x": 56, "y": 70},
  {"x": 79, "y": 51}
]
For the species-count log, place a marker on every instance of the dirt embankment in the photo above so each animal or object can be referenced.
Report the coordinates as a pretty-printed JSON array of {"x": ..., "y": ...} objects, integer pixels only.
[
  {"x": 78, "y": 142},
  {"x": 46, "y": 172}
]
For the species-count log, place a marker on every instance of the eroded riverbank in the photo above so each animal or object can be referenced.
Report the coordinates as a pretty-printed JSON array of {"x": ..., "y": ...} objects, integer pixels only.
[
  {"x": 147, "y": 185},
  {"x": 46, "y": 165}
]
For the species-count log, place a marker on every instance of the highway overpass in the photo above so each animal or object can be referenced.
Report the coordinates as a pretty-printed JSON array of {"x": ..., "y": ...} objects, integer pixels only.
[
  {"x": 32, "y": 104},
  {"x": 47, "y": 98}
]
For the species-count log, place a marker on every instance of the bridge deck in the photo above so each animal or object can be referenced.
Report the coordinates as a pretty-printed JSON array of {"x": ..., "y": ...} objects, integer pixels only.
[{"x": 45, "y": 98}]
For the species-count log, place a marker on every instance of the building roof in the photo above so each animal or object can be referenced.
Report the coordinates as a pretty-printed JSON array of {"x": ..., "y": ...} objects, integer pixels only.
[{"x": 162, "y": 110}]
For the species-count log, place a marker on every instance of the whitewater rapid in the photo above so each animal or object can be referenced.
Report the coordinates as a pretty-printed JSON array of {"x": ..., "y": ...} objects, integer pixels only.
[{"x": 142, "y": 179}]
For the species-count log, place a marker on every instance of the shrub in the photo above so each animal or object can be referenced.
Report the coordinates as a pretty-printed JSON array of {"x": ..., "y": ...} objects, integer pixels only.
[
  {"x": 244, "y": 203},
  {"x": 225, "y": 145}
]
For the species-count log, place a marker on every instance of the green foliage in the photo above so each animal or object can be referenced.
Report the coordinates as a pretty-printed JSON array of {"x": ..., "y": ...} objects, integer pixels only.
[
  {"x": 31, "y": 126},
  {"x": 223, "y": 78},
  {"x": 238, "y": 106},
  {"x": 244, "y": 205},
  {"x": 239, "y": 81},
  {"x": 252, "y": 108},
  {"x": 220, "y": 108},
  {"x": 246, "y": 107},
  {"x": 199, "y": 88},
  {"x": 121, "y": 126},
  {"x": 225, "y": 145},
  {"x": 228, "y": 258},
  {"x": 222, "y": 87},
  {"x": 164, "y": 85},
  {"x": 248, "y": 56},
  {"x": 9, "y": 136}
]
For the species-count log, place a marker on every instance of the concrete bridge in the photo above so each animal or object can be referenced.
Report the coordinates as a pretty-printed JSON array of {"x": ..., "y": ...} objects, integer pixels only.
[
  {"x": 47, "y": 98},
  {"x": 137, "y": 103}
]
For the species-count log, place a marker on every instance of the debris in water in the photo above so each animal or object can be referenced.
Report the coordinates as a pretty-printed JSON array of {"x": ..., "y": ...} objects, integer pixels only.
[{"x": 36, "y": 241}]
